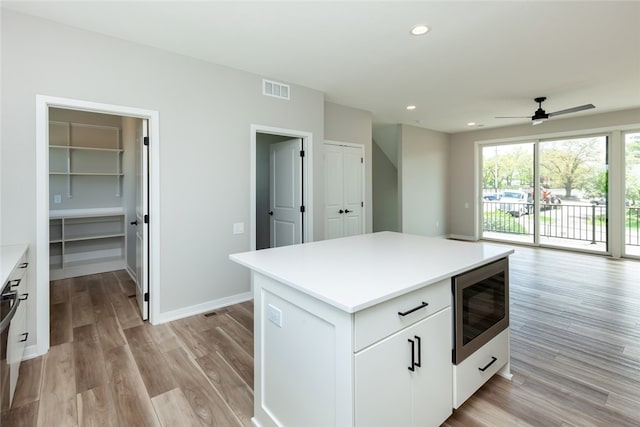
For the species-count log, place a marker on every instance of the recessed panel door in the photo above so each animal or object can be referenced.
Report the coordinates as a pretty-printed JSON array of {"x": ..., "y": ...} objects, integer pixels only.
[
  {"x": 352, "y": 190},
  {"x": 333, "y": 191},
  {"x": 142, "y": 227},
  {"x": 285, "y": 192}
]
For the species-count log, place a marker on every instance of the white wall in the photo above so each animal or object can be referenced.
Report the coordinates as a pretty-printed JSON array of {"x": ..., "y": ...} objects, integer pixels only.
[
  {"x": 461, "y": 167},
  {"x": 423, "y": 157},
  {"x": 346, "y": 124},
  {"x": 385, "y": 192},
  {"x": 205, "y": 115}
]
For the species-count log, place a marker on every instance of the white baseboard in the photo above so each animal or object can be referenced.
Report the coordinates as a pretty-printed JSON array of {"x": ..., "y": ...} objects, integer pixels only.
[
  {"x": 462, "y": 237},
  {"x": 132, "y": 273},
  {"x": 202, "y": 308},
  {"x": 31, "y": 352}
]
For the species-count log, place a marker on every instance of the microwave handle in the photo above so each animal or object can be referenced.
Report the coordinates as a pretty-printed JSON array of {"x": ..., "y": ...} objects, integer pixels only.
[{"x": 4, "y": 324}]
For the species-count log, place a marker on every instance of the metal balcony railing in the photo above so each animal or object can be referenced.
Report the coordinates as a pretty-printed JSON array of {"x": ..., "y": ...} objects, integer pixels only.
[{"x": 564, "y": 221}]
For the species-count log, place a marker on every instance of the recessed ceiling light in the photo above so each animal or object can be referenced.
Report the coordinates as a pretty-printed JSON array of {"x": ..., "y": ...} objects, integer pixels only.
[
  {"x": 419, "y": 30},
  {"x": 411, "y": 107},
  {"x": 471, "y": 124}
]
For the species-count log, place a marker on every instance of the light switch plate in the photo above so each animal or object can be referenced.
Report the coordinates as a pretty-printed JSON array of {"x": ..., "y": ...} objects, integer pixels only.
[
  {"x": 238, "y": 228},
  {"x": 274, "y": 314}
]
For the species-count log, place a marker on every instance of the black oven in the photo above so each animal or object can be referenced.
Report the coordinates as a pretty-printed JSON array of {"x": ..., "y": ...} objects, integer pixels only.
[{"x": 480, "y": 307}]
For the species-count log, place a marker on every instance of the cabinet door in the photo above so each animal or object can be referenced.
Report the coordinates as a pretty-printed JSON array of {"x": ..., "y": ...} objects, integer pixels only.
[
  {"x": 383, "y": 382},
  {"x": 388, "y": 393},
  {"x": 432, "y": 385}
]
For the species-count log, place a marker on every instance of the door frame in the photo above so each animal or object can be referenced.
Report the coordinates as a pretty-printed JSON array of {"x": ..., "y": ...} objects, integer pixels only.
[
  {"x": 364, "y": 175},
  {"x": 307, "y": 178},
  {"x": 43, "y": 103}
]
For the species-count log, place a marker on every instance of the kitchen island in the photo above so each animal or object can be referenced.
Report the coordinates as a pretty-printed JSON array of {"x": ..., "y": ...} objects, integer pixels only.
[{"x": 358, "y": 330}]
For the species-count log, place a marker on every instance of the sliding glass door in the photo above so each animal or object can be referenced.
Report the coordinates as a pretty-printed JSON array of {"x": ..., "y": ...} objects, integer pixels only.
[
  {"x": 507, "y": 180},
  {"x": 632, "y": 194},
  {"x": 547, "y": 192},
  {"x": 573, "y": 193}
]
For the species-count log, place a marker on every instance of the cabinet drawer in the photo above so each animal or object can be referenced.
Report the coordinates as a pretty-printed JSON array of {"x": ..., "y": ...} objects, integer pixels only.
[
  {"x": 382, "y": 320},
  {"x": 17, "y": 274},
  {"x": 467, "y": 376}
]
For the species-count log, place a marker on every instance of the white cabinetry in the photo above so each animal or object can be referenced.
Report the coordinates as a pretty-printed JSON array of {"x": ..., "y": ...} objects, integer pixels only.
[
  {"x": 344, "y": 194},
  {"x": 312, "y": 369},
  {"x": 405, "y": 380},
  {"x": 86, "y": 241},
  {"x": 14, "y": 262}
]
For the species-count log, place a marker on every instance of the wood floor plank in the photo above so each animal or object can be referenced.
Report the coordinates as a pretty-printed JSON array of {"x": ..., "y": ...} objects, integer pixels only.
[
  {"x": 153, "y": 368},
  {"x": 108, "y": 328},
  {"x": 59, "y": 291},
  {"x": 232, "y": 352},
  {"x": 96, "y": 408},
  {"x": 57, "y": 410},
  {"x": 163, "y": 336},
  {"x": 22, "y": 416},
  {"x": 173, "y": 409},
  {"x": 61, "y": 330},
  {"x": 127, "y": 314},
  {"x": 131, "y": 400},
  {"x": 237, "y": 394},
  {"x": 59, "y": 372},
  {"x": 28, "y": 388},
  {"x": 206, "y": 401},
  {"x": 89, "y": 364}
]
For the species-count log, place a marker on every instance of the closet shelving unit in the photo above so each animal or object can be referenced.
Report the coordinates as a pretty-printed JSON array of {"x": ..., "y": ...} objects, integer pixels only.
[{"x": 88, "y": 240}]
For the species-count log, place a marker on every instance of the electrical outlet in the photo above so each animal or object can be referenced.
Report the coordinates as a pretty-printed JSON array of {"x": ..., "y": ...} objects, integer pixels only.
[
  {"x": 274, "y": 315},
  {"x": 57, "y": 198}
]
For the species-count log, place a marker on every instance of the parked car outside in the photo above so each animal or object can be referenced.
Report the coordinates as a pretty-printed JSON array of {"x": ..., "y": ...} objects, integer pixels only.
[
  {"x": 492, "y": 197},
  {"x": 515, "y": 203},
  {"x": 599, "y": 201}
]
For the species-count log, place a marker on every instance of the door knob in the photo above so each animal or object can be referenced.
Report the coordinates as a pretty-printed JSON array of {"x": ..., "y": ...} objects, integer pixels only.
[
  {"x": 340, "y": 211},
  {"x": 347, "y": 211},
  {"x": 271, "y": 213},
  {"x": 134, "y": 222}
]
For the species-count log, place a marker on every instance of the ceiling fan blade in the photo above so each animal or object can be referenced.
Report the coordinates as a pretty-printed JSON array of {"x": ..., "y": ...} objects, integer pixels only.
[
  {"x": 573, "y": 110},
  {"x": 513, "y": 117}
]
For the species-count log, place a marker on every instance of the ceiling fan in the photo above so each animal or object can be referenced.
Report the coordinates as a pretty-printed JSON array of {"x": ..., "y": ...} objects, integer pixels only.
[{"x": 541, "y": 115}]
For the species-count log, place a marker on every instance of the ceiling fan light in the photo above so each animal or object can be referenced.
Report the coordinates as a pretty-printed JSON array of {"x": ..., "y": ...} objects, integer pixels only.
[{"x": 536, "y": 122}]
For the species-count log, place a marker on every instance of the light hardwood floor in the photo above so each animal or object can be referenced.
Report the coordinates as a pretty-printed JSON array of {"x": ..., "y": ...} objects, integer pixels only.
[{"x": 575, "y": 343}]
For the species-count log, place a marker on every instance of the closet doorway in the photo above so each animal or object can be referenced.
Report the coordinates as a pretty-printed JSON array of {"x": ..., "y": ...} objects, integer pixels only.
[
  {"x": 281, "y": 211},
  {"x": 95, "y": 206}
]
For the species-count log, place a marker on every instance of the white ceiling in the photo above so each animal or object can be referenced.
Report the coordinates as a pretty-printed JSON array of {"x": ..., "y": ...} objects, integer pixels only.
[{"x": 480, "y": 59}]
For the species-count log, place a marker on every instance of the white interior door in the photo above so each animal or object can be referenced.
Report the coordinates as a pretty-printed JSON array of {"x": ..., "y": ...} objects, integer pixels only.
[
  {"x": 343, "y": 171},
  {"x": 333, "y": 208},
  {"x": 142, "y": 222},
  {"x": 285, "y": 192},
  {"x": 352, "y": 190}
]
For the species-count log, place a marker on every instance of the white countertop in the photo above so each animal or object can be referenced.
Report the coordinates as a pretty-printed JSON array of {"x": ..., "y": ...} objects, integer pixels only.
[
  {"x": 354, "y": 273},
  {"x": 9, "y": 256}
]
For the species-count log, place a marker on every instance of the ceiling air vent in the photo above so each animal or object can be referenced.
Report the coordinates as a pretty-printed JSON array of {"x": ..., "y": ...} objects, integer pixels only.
[{"x": 275, "y": 89}]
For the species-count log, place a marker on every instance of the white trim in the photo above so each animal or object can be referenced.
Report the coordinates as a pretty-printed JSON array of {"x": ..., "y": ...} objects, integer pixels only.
[
  {"x": 307, "y": 178},
  {"x": 364, "y": 177},
  {"x": 43, "y": 103},
  {"x": 204, "y": 307}
]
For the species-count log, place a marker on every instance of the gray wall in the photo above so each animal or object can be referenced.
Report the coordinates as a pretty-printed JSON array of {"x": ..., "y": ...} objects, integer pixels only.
[
  {"x": 346, "y": 124},
  {"x": 462, "y": 158},
  {"x": 385, "y": 192},
  {"x": 205, "y": 114},
  {"x": 423, "y": 156}
]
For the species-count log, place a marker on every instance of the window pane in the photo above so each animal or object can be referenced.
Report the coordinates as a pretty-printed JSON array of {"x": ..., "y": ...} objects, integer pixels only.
[
  {"x": 632, "y": 194},
  {"x": 507, "y": 179},
  {"x": 573, "y": 193}
]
